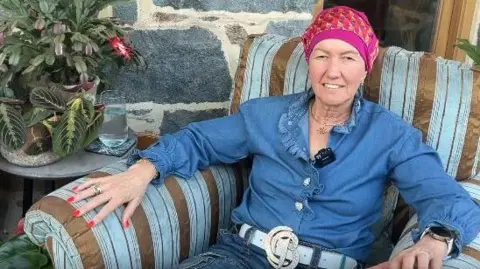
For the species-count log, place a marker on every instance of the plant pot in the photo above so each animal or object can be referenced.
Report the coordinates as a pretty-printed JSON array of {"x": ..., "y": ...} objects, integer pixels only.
[
  {"x": 91, "y": 93},
  {"x": 20, "y": 158},
  {"x": 29, "y": 154}
]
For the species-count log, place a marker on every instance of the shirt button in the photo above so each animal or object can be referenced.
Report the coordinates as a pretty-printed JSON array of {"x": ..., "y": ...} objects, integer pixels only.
[
  {"x": 289, "y": 122},
  {"x": 306, "y": 182},
  {"x": 299, "y": 206}
]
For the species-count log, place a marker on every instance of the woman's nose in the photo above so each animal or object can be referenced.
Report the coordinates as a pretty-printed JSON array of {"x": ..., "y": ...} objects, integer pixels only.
[{"x": 333, "y": 69}]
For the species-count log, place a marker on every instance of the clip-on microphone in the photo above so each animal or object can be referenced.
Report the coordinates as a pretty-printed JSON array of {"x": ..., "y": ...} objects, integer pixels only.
[{"x": 324, "y": 157}]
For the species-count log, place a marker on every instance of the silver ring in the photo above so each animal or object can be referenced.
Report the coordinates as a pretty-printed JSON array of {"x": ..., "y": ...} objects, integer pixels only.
[{"x": 97, "y": 190}]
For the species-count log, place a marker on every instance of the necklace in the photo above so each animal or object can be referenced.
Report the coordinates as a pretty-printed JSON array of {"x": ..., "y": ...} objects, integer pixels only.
[{"x": 323, "y": 124}]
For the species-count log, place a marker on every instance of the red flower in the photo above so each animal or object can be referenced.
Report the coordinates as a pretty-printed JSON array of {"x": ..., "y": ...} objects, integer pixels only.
[
  {"x": 20, "y": 227},
  {"x": 121, "y": 48}
]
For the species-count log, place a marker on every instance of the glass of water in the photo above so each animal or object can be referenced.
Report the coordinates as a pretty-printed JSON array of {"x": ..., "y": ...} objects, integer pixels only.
[{"x": 114, "y": 131}]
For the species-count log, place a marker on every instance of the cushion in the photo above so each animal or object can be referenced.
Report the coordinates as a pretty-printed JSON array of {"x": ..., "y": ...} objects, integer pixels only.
[
  {"x": 439, "y": 97},
  {"x": 470, "y": 256},
  {"x": 175, "y": 220}
]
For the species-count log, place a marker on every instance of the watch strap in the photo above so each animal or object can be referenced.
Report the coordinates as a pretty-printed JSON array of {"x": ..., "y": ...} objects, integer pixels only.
[{"x": 446, "y": 239}]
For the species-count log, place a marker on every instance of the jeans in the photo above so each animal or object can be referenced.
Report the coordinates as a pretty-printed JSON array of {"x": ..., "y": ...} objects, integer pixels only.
[{"x": 231, "y": 252}]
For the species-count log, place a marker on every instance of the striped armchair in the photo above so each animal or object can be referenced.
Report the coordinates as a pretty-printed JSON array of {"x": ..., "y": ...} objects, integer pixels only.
[{"x": 182, "y": 217}]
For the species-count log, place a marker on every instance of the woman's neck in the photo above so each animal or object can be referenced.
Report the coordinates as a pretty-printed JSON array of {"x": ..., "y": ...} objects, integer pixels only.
[{"x": 331, "y": 114}]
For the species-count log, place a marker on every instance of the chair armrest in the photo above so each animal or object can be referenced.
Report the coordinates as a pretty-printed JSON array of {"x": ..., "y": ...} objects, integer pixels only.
[
  {"x": 470, "y": 256},
  {"x": 175, "y": 220}
]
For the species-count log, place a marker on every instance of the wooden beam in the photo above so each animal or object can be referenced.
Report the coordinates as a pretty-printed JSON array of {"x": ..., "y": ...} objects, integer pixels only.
[
  {"x": 461, "y": 25},
  {"x": 442, "y": 27},
  {"x": 317, "y": 8}
]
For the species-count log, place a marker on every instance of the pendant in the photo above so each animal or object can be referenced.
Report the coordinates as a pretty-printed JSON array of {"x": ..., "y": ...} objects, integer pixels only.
[{"x": 323, "y": 129}]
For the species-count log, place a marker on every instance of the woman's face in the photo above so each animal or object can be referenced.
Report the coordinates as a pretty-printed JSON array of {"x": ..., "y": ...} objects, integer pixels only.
[{"x": 336, "y": 70}]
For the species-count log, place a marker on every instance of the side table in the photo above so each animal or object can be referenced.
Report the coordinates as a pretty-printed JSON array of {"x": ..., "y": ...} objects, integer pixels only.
[{"x": 76, "y": 165}]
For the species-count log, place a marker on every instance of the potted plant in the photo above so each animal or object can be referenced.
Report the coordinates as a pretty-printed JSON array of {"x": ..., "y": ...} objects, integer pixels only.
[
  {"x": 21, "y": 252},
  {"x": 54, "y": 125},
  {"x": 54, "y": 50},
  {"x": 471, "y": 50}
]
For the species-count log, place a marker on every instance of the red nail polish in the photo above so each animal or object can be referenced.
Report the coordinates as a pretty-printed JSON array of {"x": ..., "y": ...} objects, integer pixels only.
[
  {"x": 76, "y": 213},
  {"x": 127, "y": 223},
  {"x": 75, "y": 188},
  {"x": 71, "y": 199},
  {"x": 91, "y": 223}
]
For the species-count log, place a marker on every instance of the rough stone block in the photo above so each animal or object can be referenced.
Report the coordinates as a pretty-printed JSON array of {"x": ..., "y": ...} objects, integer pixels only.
[
  {"x": 210, "y": 18},
  {"x": 236, "y": 34},
  {"x": 184, "y": 66},
  {"x": 288, "y": 28},
  {"x": 174, "y": 121},
  {"x": 126, "y": 11},
  {"x": 258, "y": 6},
  {"x": 164, "y": 17}
]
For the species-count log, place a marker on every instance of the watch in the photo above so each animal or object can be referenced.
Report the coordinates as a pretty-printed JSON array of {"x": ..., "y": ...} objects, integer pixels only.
[{"x": 441, "y": 234}]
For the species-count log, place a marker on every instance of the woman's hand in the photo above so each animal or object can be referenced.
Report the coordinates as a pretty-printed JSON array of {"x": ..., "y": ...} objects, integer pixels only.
[
  {"x": 427, "y": 253},
  {"x": 128, "y": 188}
]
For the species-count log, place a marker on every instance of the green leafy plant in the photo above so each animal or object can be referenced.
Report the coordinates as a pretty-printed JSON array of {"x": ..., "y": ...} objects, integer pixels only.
[
  {"x": 63, "y": 41},
  {"x": 20, "y": 252},
  {"x": 52, "y": 52},
  {"x": 473, "y": 51},
  {"x": 58, "y": 120}
]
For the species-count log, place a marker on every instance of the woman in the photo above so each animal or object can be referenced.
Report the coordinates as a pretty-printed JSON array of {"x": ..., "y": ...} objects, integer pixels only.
[{"x": 321, "y": 163}]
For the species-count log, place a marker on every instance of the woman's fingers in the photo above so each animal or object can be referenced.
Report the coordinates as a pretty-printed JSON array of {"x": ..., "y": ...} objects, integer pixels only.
[
  {"x": 423, "y": 260},
  {"x": 127, "y": 214},
  {"x": 88, "y": 183},
  {"x": 86, "y": 193},
  {"x": 92, "y": 204},
  {"x": 105, "y": 211}
]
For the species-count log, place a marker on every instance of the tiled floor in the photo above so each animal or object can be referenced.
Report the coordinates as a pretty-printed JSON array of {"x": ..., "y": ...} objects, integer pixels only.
[{"x": 11, "y": 198}]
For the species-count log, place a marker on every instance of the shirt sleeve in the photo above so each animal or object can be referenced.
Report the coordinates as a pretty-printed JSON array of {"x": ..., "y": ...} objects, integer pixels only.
[
  {"x": 437, "y": 198},
  {"x": 197, "y": 146}
]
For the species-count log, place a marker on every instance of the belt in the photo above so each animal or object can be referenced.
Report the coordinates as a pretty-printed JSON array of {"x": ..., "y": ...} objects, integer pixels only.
[{"x": 262, "y": 240}]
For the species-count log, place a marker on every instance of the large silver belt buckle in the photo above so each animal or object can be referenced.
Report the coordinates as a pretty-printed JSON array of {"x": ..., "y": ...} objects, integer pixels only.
[{"x": 280, "y": 241}]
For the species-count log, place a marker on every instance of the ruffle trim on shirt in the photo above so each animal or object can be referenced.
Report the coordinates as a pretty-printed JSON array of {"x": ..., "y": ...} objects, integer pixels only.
[
  {"x": 288, "y": 125},
  {"x": 348, "y": 126},
  {"x": 290, "y": 130}
]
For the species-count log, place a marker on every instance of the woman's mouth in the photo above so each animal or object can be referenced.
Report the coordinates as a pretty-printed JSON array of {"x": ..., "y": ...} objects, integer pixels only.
[{"x": 332, "y": 86}]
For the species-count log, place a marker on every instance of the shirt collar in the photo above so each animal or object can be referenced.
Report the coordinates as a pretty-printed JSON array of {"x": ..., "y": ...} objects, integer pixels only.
[
  {"x": 290, "y": 130},
  {"x": 300, "y": 106}
]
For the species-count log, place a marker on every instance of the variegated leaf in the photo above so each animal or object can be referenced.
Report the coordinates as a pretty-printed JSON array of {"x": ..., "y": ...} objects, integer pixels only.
[
  {"x": 47, "y": 99},
  {"x": 13, "y": 132},
  {"x": 36, "y": 115},
  {"x": 88, "y": 109},
  {"x": 93, "y": 128},
  {"x": 69, "y": 134}
]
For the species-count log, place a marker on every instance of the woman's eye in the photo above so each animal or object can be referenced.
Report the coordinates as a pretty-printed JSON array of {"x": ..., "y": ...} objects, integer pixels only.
[
  {"x": 349, "y": 58},
  {"x": 321, "y": 57}
]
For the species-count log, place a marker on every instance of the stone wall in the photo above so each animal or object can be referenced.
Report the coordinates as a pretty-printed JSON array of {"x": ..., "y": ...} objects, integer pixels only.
[{"x": 192, "y": 48}]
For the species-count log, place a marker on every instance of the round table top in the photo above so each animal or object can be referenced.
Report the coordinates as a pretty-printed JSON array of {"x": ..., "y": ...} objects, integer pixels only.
[{"x": 76, "y": 165}]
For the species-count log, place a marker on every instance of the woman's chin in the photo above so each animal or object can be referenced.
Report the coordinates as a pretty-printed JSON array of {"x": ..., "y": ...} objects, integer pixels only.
[{"x": 333, "y": 101}]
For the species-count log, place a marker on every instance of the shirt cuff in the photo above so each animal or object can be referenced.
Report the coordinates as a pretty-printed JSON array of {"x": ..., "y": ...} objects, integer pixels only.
[{"x": 160, "y": 165}]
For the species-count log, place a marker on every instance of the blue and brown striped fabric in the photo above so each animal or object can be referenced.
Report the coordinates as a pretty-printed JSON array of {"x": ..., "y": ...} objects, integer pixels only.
[
  {"x": 182, "y": 217},
  {"x": 178, "y": 219}
]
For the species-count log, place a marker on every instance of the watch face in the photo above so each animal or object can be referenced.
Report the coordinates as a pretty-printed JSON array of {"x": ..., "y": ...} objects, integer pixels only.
[{"x": 441, "y": 231}]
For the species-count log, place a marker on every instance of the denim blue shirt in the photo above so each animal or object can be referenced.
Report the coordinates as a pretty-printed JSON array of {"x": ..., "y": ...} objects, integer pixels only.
[{"x": 339, "y": 202}]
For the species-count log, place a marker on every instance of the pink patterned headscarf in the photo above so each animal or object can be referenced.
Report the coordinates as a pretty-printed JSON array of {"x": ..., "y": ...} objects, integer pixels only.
[{"x": 346, "y": 24}]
